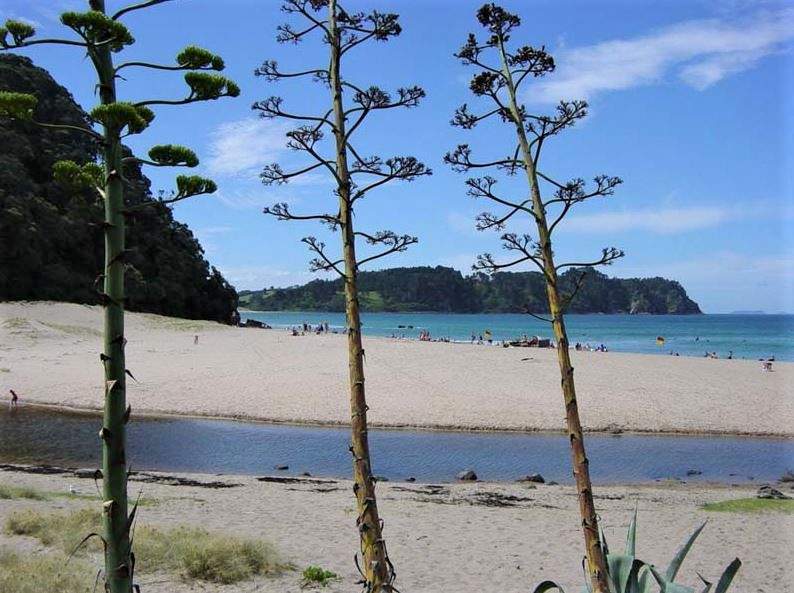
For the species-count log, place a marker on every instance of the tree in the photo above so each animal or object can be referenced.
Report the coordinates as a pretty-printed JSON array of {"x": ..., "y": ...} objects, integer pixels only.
[
  {"x": 101, "y": 35},
  {"x": 354, "y": 177},
  {"x": 500, "y": 82}
]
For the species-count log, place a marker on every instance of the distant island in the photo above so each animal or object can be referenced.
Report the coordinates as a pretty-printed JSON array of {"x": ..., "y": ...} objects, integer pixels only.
[{"x": 446, "y": 290}]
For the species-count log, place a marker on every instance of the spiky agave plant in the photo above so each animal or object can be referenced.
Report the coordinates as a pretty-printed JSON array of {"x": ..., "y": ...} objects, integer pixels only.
[{"x": 628, "y": 574}]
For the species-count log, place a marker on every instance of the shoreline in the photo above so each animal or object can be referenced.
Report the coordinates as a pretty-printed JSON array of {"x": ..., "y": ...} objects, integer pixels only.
[{"x": 165, "y": 415}]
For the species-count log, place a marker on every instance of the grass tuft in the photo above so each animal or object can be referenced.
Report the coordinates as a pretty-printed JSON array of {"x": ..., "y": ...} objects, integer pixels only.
[
  {"x": 41, "y": 573},
  {"x": 193, "y": 552},
  {"x": 751, "y": 505},
  {"x": 318, "y": 575},
  {"x": 8, "y": 492}
]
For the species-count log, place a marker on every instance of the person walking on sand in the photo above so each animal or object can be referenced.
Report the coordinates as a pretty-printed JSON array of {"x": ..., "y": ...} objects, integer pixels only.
[
  {"x": 195, "y": 340},
  {"x": 14, "y": 398}
]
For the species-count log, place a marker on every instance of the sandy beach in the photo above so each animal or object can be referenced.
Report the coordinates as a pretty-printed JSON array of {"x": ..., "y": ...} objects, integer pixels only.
[
  {"x": 49, "y": 353},
  {"x": 510, "y": 544}
]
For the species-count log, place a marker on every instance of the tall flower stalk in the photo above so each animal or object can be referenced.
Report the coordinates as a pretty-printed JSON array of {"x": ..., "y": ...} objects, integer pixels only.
[
  {"x": 102, "y": 35},
  {"x": 354, "y": 176},
  {"x": 501, "y": 72}
]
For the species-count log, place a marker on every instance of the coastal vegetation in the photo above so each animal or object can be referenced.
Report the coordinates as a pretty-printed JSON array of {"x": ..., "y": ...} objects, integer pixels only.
[
  {"x": 52, "y": 244},
  {"x": 192, "y": 552},
  {"x": 446, "y": 290},
  {"x": 43, "y": 572},
  {"x": 751, "y": 505},
  {"x": 102, "y": 37},
  {"x": 354, "y": 176}
]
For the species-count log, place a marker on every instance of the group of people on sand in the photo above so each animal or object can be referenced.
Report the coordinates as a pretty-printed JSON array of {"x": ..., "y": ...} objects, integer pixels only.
[
  {"x": 482, "y": 338},
  {"x": 579, "y": 347},
  {"x": 306, "y": 328}
]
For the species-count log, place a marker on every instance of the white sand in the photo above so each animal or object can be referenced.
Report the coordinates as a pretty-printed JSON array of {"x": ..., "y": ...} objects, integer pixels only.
[
  {"x": 49, "y": 353},
  {"x": 448, "y": 542}
]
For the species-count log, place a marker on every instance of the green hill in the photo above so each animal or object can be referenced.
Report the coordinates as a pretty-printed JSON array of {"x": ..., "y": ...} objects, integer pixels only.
[
  {"x": 51, "y": 244},
  {"x": 446, "y": 290}
]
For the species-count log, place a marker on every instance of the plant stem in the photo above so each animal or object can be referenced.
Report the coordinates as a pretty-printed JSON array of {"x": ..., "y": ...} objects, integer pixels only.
[
  {"x": 596, "y": 560},
  {"x": 118, "y": 567},
  {"x": 376, "y": 567}
]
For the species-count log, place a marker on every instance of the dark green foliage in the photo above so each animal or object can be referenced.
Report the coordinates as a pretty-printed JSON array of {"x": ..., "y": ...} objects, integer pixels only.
[
  {"x": 198, "y": 57},
  {"x": 96, "y": 27},
  {"x": 51, "y": 238},
  {"x": 205, "y": 86},
  {"x": 446, "y": 290},
  {"x": 17, "y": 105},
  {"x": 173, "y": 155},
  {"x": 119, "y": 115},
  {"x": 19, "y": 32}
]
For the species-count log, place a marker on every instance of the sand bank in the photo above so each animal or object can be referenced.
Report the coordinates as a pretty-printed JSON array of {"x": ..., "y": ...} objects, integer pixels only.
[
  {"x": 529, "y": 537},
  {"x": 49, "y": 353}
]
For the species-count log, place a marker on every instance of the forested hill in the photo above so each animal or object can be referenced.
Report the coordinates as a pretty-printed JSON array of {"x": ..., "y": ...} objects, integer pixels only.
[
  {"x": 447, "y": 290},
  {"x": 51, "y": 244}
]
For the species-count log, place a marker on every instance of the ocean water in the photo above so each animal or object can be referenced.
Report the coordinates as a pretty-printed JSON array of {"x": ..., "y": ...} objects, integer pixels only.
[{"x": 746, "y": 336}]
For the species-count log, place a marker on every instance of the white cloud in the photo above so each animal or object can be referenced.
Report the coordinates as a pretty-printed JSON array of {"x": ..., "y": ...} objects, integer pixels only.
[
  {"x": 243, "y": 147},
  {"x": 258, "y": 277},
  {"x": 663, "y": 221},
  {"x": 700, "y": 53}
]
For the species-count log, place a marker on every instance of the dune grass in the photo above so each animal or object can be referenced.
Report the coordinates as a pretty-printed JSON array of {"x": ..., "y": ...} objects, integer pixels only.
[
  {"x": 41, "y": 573},
  {"x": 194, "y": 553},
  {"x": 751, "y": 505},
  {"x": 9, "y": 492}
]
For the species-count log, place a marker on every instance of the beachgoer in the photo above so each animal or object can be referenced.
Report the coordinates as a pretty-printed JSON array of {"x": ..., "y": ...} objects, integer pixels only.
[
  {"x": 14, "y": 398},
  {"x": 195, "y": 340}
]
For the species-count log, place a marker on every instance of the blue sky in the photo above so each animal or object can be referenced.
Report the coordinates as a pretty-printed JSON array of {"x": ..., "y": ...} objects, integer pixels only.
[{"x": 691, "y": 104}]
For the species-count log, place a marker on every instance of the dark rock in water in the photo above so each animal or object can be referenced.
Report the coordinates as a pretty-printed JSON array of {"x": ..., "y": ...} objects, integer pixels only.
[
  {"x": 380, "y": 478},
  {"x": 93, "y": 474},
  {"x": 766, "y": 491},
  {"x": 536, "y": 478},
  {"x": 693, "y": 472},
  {"x": 552, "y": 483},
  {"x": 410, "y": 479},
  {"x": 281, "y": 467},
  {"x": 255, "y": 323},
  {"x": 307, "y": 474},
  {"x": 467, "y": 476}
]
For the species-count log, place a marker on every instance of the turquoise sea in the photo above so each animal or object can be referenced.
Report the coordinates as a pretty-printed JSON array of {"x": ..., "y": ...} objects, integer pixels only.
[{"x": 747, "y": 336}]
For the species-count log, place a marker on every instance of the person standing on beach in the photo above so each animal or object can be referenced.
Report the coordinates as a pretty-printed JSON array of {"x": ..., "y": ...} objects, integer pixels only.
[{"x": 14, "y": 398}]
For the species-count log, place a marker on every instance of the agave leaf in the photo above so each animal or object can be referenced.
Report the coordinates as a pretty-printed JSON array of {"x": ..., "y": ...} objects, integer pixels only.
[
  {"x": 631, "y": 536},
  {"x": 727, "y": 577},
  {"x": 547, "y": 586},
  {"x": 621, "y": 569},
  {"x": 644, "y": 579},
  {"x": 706, "y": 584},
  {"x": 602, "y": 536},
  {"x": 667, "y": 586},
  {"x": 678, "y": 560}
]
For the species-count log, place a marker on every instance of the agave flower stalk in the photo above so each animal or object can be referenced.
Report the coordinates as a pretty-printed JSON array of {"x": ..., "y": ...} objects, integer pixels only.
[{"x": 102, "y": 36}]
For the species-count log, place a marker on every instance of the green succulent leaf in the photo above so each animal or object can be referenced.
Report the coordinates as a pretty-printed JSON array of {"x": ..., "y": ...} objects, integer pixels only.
[
  {"x": 198, "y": 57},
  {"x": 117, "y": 116},
  {"x": 97, "y": 27},
  {"x": 73, "y": 176},
  {"x": 631, "y": 536},
  {"x": 668, "y": 586},
  {"x": 17, "y": 105},
  {"x": 547, "y": 586},
  {"x": 680, "y": 555},
  {"x": 205, "y": 86},
  {"x": 727, "y": 577},
  {"x": 193, "y": 185},
  {"x": 19, "y": 30},
  {"x": 173, "y": 155}
]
